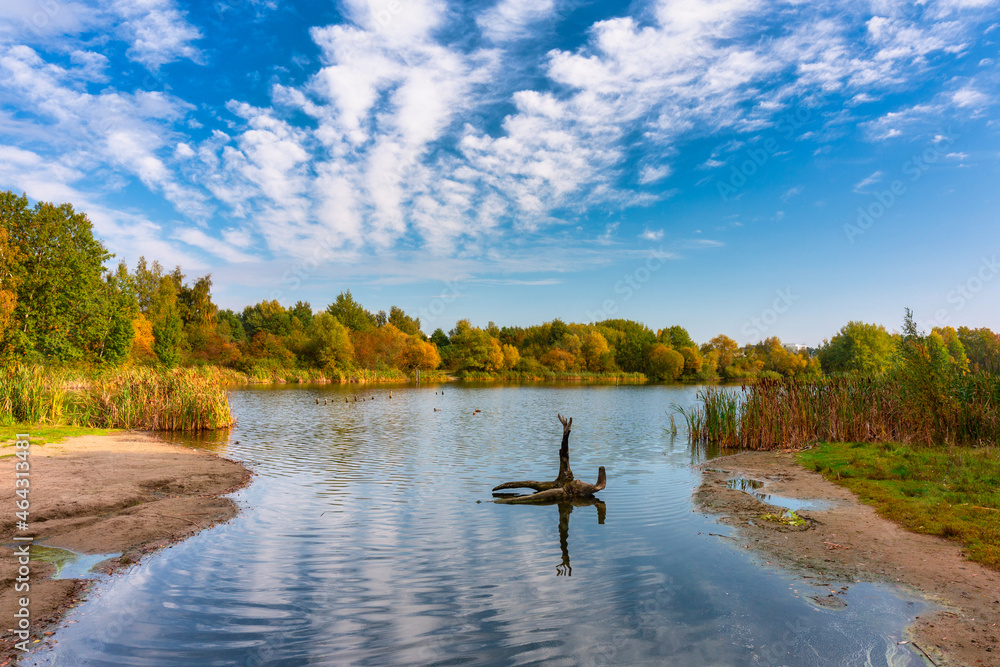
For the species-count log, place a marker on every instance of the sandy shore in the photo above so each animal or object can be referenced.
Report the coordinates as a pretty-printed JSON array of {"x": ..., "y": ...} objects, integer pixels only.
[
  {"x": 128, "y": 493},
  {"x": 848, "y": 542}
]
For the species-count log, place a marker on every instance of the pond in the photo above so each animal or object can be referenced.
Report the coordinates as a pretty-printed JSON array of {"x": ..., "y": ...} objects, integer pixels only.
[{"x": 368, "y": 537}]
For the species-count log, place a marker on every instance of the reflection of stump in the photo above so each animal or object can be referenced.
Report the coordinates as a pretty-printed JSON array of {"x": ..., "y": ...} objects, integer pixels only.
[
  {"x": 564, "y": 486},
  {"x": 565, "y": 509}
]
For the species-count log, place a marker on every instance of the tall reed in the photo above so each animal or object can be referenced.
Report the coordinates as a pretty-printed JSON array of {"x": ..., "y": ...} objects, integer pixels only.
[
  {"x": 175, "y": 400},
  {"x": 785, "y": 413},
  {"x": 137, "y": 398}
]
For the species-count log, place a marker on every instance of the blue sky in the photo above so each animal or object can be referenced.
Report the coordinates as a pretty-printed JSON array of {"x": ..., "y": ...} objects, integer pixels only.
[{"x": 739, "y": 167}]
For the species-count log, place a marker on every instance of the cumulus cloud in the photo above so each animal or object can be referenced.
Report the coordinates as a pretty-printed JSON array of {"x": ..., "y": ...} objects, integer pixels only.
[
  {"x": 158, "y": 32},
  {"x": 513, "y": 19}
]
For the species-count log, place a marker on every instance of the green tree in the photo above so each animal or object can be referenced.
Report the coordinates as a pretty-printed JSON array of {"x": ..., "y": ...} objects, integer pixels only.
[
  {"x": 404, "y": 322},
  {"x": 167, "y": 337},
  {"x": 350, "y": 313},
  {"x": 557, "y": 329},
  {"x": 328, "y": 343},
  {"x": 982, "y": 347},
  {"x": 676, "y": 337},
  {"x": 302, "y": 312},
  {"x": 956, "y": 351},
  {"x": 859, "y": 347},
  {"x": 632, "y": 344},
  {"x": 113, "y": 331},
  {"x": 229, "y": 327},
  {"x": 64, "y": 303},
  {"x": 440, "y": 338},
  {"x": 475, "y": 349},
  {"x": 268, "y": 317}
]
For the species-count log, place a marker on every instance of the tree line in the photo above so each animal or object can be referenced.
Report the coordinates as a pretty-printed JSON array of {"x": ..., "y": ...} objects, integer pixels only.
[{"x": 59, "y": 304}]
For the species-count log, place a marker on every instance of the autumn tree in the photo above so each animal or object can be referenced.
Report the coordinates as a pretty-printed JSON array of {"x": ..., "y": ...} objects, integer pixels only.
[
  {"x": 381, "y": 347},
  {"x": 665, "y": 363},
  {"x": 9, "y": 283},
  {"x": 511, "y": 356},
  {"x": 420, "y": 354},
  {"x": 726, "y": 347},
  {"x": 692, "y": 360}
]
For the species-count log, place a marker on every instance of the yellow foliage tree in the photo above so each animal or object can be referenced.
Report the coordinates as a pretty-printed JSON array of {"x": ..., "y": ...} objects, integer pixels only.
[
  {"x": 558, "y": 360},
  {"x": 421, "y": 354},
  {"x": 510, "y": 356},
  {"x": 142, "y": 341},
  {"x": 594, "y": 350}
]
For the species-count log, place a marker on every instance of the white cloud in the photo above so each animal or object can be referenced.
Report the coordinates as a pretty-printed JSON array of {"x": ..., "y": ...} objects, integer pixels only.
[
  {"x": 651, "y": 173},
  {"x": 792, "y": 192},
  {"x": 969, "y": 97},
  {"x": 403, "y": 146},
  {"x": 652, "y": 235},
  {"x": 158, "y": 32},
  {"x": 863, "y": 185},
  {"x": 513, "y": 19},
  {"x": 218, "y": 247}
]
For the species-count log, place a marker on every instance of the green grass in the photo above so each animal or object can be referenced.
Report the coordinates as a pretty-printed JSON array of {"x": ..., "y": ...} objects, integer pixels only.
[
  {"x": 43, "y": 434},
  {"x": 953, "y": 492}
]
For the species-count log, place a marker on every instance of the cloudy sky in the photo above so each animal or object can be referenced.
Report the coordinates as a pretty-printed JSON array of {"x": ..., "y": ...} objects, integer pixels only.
[{"x": 735, "y": 166}]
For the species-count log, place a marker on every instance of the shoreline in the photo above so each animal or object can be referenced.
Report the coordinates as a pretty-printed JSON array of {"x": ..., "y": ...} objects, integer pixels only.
[
  {"x": 128, "y": 493},
  {"x": 846, "y": 541}
]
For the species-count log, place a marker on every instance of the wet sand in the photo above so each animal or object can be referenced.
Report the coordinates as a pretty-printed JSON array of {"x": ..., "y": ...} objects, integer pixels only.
[
  {"x": 127, "y": 493},
  {"x": 846, "y": 541}
]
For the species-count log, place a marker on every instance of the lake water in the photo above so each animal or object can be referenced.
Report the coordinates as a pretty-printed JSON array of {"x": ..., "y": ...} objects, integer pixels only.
[{"x": 368, "y": 537}]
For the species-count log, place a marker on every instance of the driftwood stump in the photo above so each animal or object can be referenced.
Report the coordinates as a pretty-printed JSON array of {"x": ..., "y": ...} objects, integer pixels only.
[{"x": 564, "y": 486}]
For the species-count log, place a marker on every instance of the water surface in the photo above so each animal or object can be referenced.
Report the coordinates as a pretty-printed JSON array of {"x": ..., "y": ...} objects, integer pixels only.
[{"x": 369, "y": 537}]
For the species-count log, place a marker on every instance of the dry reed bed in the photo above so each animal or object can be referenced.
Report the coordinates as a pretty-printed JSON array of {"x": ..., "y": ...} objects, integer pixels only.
[{"x": 784, "y": 413}]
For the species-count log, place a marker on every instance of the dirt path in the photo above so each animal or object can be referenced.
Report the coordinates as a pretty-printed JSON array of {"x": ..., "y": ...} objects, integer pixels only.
[
  {"x": 849, "y": 541},
  {"x": 127, "y": 493}
]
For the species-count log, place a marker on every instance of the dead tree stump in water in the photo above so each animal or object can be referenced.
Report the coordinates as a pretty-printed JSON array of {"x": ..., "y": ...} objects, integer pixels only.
[{"x": 564, "y": 486}]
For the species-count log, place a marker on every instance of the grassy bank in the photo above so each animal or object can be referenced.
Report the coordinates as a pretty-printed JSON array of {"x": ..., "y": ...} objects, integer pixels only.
[
  {"x": 953, "y": 492},
  {"x": 45, "y": 434}
]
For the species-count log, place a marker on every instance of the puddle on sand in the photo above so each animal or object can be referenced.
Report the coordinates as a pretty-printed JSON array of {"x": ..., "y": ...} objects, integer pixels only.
[
  {"x": 69, "y": 564},
  {"x": 750, "y": 486}
]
